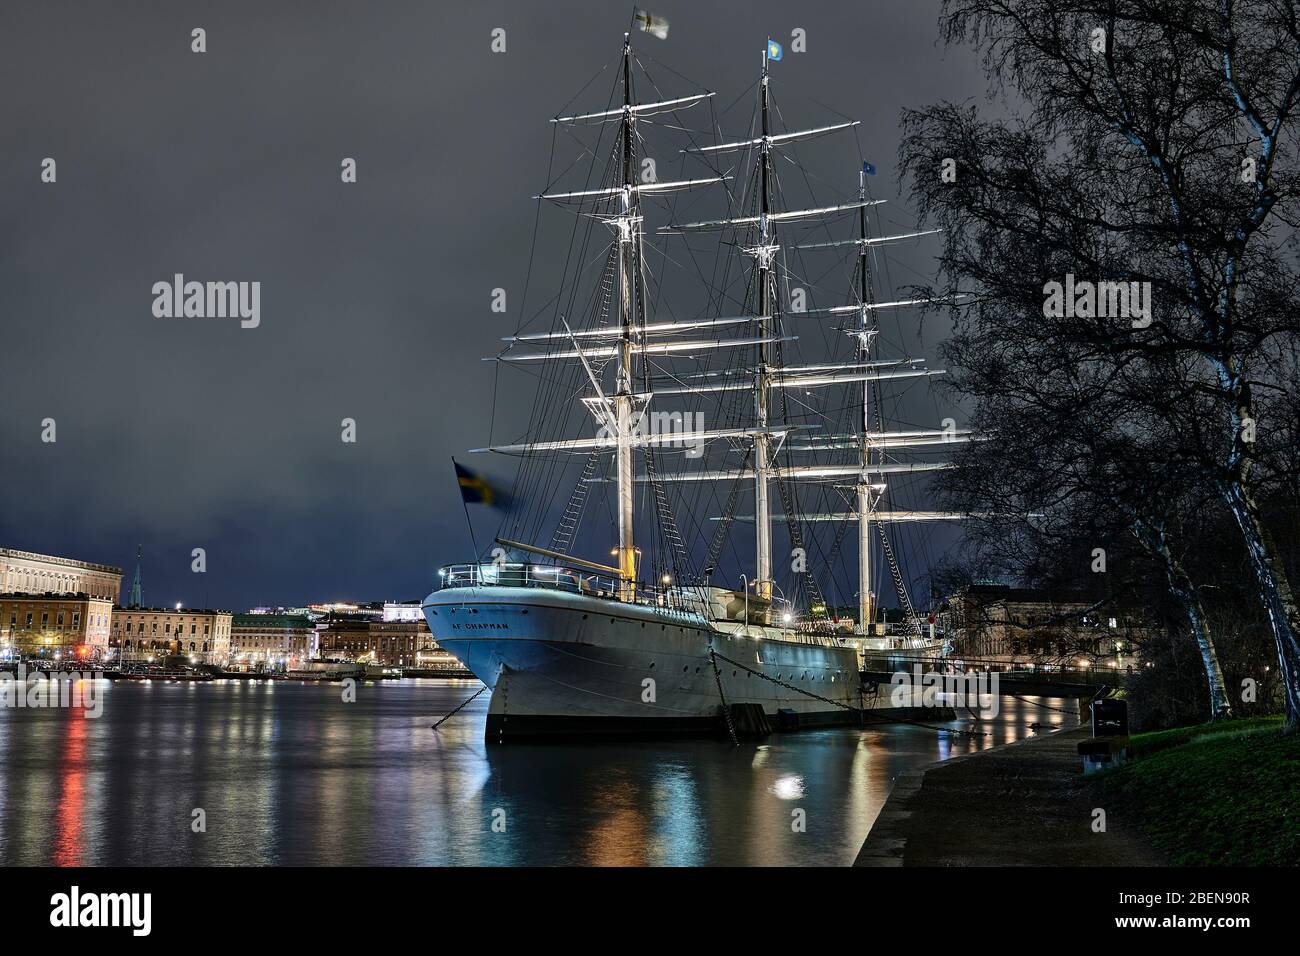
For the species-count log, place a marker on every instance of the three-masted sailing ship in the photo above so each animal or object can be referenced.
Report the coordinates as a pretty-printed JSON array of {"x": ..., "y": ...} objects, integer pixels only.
[{"x": 672, "y": 413}]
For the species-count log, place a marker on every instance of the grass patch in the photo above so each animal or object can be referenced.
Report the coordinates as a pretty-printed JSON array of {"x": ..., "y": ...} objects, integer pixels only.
[
  {"x": 1143, "y": 745},
  {"x": 1223, "y": 794}
]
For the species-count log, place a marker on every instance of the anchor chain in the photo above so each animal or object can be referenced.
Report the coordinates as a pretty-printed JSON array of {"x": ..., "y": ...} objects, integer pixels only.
[
  {"x": 862, "y": 714},
  {"x": 782, "y": 683},
  {"x": 462, "y": 706},
  {"x": 726, "y": 710}
]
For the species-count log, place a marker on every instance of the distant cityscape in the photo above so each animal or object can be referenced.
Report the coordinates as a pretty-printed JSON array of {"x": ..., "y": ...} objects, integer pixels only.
[{"x": 66, "y": 611}]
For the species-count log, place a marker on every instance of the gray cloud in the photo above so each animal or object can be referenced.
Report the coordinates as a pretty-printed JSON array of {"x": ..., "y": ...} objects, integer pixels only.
[{"x": 224, "y": 166}]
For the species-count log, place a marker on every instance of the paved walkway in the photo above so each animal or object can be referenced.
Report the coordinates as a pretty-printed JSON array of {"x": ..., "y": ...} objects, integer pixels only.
[{"x": 1021, "y": 804}]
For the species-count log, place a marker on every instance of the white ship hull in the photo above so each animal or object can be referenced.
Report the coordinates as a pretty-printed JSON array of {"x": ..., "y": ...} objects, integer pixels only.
[{"x": 564, "y": 664}]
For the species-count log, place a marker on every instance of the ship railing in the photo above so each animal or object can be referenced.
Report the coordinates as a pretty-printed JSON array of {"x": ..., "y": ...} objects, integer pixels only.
[
  {"x": 572, "y": 580},
  {"x": 1011, "y": 666},
  {"x": 902, "y": 634}
]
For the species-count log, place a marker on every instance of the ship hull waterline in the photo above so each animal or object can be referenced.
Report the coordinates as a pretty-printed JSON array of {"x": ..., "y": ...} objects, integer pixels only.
[{"x": 572, "y": 665}]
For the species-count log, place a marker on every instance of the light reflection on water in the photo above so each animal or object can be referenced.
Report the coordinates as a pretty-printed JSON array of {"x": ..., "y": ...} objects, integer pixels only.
[{"x": 289, "y": 774}]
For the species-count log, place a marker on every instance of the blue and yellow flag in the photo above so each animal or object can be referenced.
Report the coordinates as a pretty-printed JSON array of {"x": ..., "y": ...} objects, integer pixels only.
[
  {"x": 655, "y": 26},
  {"x": 774, "y": 50},
  {"x": 476, "y": 488},
  {"x": 869, "y": 169}
]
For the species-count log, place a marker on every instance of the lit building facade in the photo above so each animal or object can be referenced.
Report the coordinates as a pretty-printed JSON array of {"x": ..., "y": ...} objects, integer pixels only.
[
  {"x": 24, "y": 572},
  {"x": 148, "y": 632},
  {"x": 55, "y": 625},
  {"x": 997, "y": 622},
  {"x": 407, "y": 612},
  {"x": 394, "y": 643},
  {"x": 434, "y": 658},
  {"x": 271, "y": 640},
  {"x": 345, "y": 638},
  {"x": 391, "y": 643}
]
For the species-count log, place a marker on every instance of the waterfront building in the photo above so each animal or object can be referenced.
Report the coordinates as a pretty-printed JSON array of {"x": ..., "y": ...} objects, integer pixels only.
[
  {"x": 358, "y": 637},
  {"x": 271, "y": 640},
  {"x": 55, "y": 625},
  {"x": 432, "y": 657},
  {"x": 336, "y": 609},
  {"x": 403, "y": 611},
  {"x": 300, "y": 611},
  {"x": 149, "y": 632},
  {"x": 25, "y": 572},
  {"x": 394, "y": 643},
  {"x": 344, "y": 636},
  {"x": 1031, "y": 625}
]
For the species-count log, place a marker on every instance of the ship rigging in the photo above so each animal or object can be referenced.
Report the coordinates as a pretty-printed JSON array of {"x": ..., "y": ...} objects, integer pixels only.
[{"x": 669, "y": 397}]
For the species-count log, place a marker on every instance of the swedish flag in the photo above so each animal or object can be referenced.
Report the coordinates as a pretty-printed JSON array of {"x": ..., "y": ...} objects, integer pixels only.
[
  {"x": 773, "y": 50},
  {"x": 476, "y": 488}
]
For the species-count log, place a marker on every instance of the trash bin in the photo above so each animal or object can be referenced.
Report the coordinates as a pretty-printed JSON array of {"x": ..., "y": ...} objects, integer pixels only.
[{"x": 1109, "y": 717}]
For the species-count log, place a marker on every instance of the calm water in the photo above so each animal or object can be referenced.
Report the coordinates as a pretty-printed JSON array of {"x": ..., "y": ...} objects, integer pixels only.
[{"x": 289, "y": 774}]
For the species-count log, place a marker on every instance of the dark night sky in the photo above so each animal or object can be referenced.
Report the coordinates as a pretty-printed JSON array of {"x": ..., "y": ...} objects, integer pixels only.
[{"x": 225, "y": 166}]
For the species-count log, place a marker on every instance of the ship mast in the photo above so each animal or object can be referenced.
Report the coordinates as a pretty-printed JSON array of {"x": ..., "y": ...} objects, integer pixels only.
[
  {"x": 763, "y": 253},
  {"x": 619, "y": 411},
  {"x": 865, "y": 609},
  {"x": 628, "y": 225}
]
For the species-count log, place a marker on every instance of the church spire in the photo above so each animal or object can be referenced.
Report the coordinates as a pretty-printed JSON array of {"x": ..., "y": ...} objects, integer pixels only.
[{"x": 135, "y": 599}]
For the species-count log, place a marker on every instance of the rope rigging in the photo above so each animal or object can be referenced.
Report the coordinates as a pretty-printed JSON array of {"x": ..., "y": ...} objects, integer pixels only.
[{"x": 674, "y": 508}]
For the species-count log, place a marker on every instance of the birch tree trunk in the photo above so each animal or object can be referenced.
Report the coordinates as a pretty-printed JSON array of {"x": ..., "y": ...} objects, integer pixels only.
[
  {"x": 1274, "y": 591},
  {"x": 1184, "y": 592}
]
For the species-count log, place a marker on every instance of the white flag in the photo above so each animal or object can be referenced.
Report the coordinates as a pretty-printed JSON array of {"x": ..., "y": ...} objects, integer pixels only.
[{"x": 651, "y": 23}]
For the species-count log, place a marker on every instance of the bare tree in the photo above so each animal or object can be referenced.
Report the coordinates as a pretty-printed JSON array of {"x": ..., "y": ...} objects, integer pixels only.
[{"x": 1154, "y": 161}]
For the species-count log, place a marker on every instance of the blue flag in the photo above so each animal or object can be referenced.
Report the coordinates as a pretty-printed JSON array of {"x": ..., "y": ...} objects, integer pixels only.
[
  {"x": 773, "y": 50},
  {"x": 869, "y": 169}
]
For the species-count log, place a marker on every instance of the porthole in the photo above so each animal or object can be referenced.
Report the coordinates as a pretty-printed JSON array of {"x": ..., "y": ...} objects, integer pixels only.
[{"x": 685, "y": 668}]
